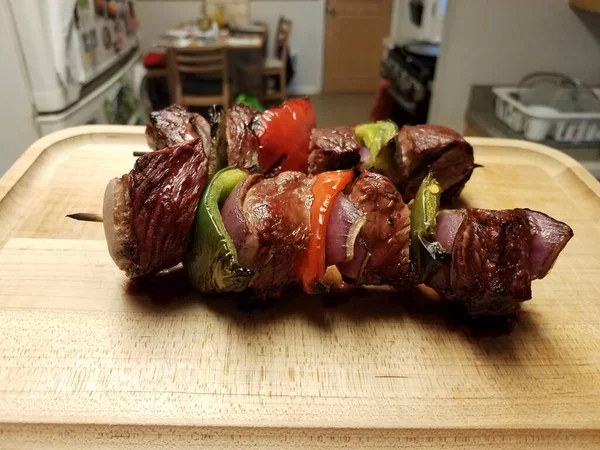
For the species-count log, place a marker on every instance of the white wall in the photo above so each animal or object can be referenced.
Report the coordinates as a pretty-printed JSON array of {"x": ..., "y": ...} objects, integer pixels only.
[
  {"x": 490, "y": 41},
  {"x": 16, "y": 115},
  {"x": 306, "y": 42},
  {"x": 156, "y": 17}
]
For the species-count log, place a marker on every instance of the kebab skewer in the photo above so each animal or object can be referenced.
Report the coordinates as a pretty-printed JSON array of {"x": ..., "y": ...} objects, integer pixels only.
[
  {"x": 285, "y": 138},
  {"x": 261, "y": 234}
]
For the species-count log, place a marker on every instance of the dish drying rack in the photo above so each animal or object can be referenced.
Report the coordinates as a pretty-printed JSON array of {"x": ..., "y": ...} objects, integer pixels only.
[{"x": 528, "y": 108}]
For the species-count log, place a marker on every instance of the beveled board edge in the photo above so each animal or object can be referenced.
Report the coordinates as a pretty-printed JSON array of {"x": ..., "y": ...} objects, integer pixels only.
[
  {"x": 28, "y": 158},
  {"x": 20, "y": 167},
  {"x": 70, "y": 436}
]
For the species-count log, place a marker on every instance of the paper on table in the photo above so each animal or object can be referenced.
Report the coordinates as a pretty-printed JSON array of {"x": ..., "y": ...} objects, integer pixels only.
[
  {"x": 177, "y": 33},
  {"x": 183, "y": 42},
  {"x": 233, "y": 41},
  {"x": 195, "y": 31}
]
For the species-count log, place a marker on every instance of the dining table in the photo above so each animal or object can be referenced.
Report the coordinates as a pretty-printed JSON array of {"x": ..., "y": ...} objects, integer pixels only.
[{"x": 246, "y": 50}]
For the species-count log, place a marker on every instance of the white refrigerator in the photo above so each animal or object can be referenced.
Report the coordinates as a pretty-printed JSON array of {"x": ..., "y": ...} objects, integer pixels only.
[{"x": 80, "y": 60}]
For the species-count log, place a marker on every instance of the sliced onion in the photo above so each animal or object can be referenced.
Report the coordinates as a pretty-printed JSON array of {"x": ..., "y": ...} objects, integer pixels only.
[
  {"x": 365, "y": 154},
  {"x": 447, "y": 224},
  {"x": 344, "y": 246},
  {"x": 108, "y": 210},
  {"x": 118, "y": 227},
  {"x": 365, "y": 159},
  {"x": 232, "y": 215},
  {"x": 345, "y": 223},
  {"x": 353, "y": 270},
  {"x": 549, "y": 237}
]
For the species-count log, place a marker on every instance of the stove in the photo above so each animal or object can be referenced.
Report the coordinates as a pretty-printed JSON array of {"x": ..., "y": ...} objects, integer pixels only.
[{"x": 410, "y": 70}]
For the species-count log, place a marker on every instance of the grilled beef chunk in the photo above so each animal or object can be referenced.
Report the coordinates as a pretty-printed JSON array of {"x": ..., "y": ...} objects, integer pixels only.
[
  {"x": 495, "y": 255},
  {"x": 277, "y": 212},
  {"x": 242, "y": 143},
  {"x": 445, "y": 152},
  {"x": 148, "y": 213},
  {"x": 217, "y": 147},
  {"x": 333, "y": 149},
  {"x": 386, "y": 234},
  {"x": 175, "y": 126}
]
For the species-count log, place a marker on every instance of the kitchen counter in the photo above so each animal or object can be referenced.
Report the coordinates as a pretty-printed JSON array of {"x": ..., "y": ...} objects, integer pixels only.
[{"x": 481, "y": 121}]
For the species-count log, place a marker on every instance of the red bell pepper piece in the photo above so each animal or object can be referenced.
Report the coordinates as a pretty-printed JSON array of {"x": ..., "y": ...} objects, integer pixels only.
[
  {"x": 284, "y": 136},
  {"x": 326, "y": 187}
]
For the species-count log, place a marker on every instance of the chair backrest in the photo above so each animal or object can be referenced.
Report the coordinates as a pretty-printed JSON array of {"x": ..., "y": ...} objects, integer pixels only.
[
  {"x": 201, "y": 60},
  {"x": 284, "y": 30}
]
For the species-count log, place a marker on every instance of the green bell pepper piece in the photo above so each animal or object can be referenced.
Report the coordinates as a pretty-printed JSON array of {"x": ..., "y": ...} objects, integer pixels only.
[
  {"x": 425, "y": 252},
  {"x": 211, "y": 260},
  {"x": 250, "y": 100},
  {"x": 380, "y": 138}
]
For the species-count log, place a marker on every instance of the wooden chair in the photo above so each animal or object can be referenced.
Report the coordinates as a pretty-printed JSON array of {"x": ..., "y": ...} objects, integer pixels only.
[
  {"x": 277, "y": 65},
  {"x": 199, "y": 66},
  {"x": 156, "y": 72}
]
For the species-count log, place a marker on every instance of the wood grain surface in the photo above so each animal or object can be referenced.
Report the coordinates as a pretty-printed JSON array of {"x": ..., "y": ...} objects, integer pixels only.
[{"x": 90, "y": 360}]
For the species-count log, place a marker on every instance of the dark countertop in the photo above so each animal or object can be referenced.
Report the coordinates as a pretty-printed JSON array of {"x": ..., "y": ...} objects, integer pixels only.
[{"x": 480, "y": 114}]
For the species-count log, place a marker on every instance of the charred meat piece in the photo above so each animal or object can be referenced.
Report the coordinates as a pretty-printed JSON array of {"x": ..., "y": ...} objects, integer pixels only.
[
  {"x": 385, "y": 235},
  {"x": 217, "y": 147},
  {"x": 333, "y": 149},
  {"x": 242, "y": 143},
  {"x": 495, "y": 256},
  {"x": 445, "y": 152},
  {"x": 175, "y": 126},
  {"x": 490, "y": 261},
  {"x": 148, "y": 213},
  {"x": 277, "y": 214}
]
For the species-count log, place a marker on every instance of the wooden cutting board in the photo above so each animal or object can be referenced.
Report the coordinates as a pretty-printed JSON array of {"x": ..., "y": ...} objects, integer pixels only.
[{"x": 88, "y": 360}]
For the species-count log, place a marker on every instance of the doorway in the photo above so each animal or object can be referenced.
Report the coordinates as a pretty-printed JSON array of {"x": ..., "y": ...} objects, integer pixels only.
[{"x": 354, "y": 33}]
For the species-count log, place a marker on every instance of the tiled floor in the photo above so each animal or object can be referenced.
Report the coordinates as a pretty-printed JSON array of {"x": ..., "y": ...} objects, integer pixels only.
[{"x": 342, "y": 109}]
